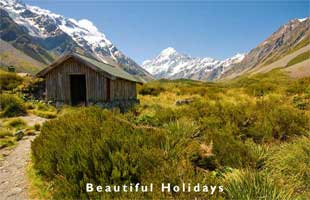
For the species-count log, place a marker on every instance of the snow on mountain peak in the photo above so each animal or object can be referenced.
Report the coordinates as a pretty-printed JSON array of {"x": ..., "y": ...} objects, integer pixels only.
[
  {"x": 238, "y": 57},
  {"x": 43, "y": 23},
  {"x": 168, "y": 51},
  {"x": 85, "y": 29},
  {"x": 172, "y": 65},
  {"x": 11, "y": 2},
  {"x": 41, "y": 11},
  {"x": 88, "y": 25},
  {"x": 78, "y": 34},
  {"x": 303, "y": 19}
]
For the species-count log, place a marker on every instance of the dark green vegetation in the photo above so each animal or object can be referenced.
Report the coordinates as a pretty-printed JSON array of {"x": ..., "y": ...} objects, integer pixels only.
[
  {"x": 299, "y": 58},
  {"x": 18, "y": 98},
  {"x": 250, "y": 135},
  {"x": 9, "y": 81},
  {"x": 11, "y": 106}
]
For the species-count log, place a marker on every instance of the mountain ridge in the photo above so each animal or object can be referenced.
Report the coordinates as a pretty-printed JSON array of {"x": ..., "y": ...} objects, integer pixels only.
[
  {"x": 288, "y": 38},
  {"x": 173, "y": 65},
  {"x": 57, "y": 35}
]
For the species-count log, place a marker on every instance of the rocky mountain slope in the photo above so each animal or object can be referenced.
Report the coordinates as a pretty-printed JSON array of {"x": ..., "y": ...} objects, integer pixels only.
[
  {"x": 10, "y": 56},
  {"x": 171, "y": 64},
  {"x": 44, "y": 35},
  {"x": 287, "y": 39}
]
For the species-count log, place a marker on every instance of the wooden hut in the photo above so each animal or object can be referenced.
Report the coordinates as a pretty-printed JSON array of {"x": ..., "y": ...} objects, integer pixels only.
[{"x": 75, "y": 79}]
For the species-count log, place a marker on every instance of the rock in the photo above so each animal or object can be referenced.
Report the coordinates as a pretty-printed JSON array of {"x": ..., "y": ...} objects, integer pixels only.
[
  {"x": 19, "y": 135},
  {"x": 183, "y": 101}
]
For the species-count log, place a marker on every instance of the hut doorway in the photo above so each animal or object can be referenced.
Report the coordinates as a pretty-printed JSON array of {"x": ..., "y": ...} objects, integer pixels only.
[{"x": 78, "y": 89}]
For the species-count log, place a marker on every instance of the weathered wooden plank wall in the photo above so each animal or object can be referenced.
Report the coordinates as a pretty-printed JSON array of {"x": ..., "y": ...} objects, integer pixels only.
[
  {"x": 58, "y": 84},
  {"x": 123, "y": 89}
]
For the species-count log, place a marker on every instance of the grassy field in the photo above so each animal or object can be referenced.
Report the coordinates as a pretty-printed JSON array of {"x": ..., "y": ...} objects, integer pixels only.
[
  {"x": 241, "y": 134},
  {"x": 249, "y": 135}
]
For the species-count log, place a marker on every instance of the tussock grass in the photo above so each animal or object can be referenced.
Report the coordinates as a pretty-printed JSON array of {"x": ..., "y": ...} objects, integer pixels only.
[
  {"x": 289, "y": 165},
  {"x": 254, "y": 185},
  {"x": 16, "y": 123},
  {"x": 44, "y": 110}
]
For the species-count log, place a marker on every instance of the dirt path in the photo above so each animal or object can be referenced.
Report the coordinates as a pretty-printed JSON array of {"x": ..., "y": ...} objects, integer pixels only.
[
  {"x": 13, "y": 178},
  {"x": 13, "y": 181}
]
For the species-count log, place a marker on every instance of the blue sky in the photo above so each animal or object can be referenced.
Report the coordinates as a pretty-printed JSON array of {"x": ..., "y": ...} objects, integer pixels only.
[{"x": 218, "y": 29}]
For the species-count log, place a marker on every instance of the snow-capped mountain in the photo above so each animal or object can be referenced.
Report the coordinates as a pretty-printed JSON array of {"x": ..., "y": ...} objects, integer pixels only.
[
  {"x": 171, "y": 64},
  {"x": 47, "y": 27}
]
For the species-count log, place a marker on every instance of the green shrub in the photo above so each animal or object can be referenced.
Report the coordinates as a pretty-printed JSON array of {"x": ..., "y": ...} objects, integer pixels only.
[
  {"x": 229, "y": 151},
  {"x": 149, "y": 90},
  {"x": 288, "y": 122},
  {"x": 9, "y": 80},
  {"x": 253, "y": 185},
  {"x": 300, "y": 86},
  {"x": 92, "y": 145},
  {"x": 274, "y": 121},
  {"x": 11, "y": 105},
  {"x": 262, "y": 84},
  {"x": 301, "y": 102}
]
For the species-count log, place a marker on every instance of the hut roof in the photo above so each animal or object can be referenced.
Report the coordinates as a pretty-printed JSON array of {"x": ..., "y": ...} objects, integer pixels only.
[{"x": 114, "y": 71}]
